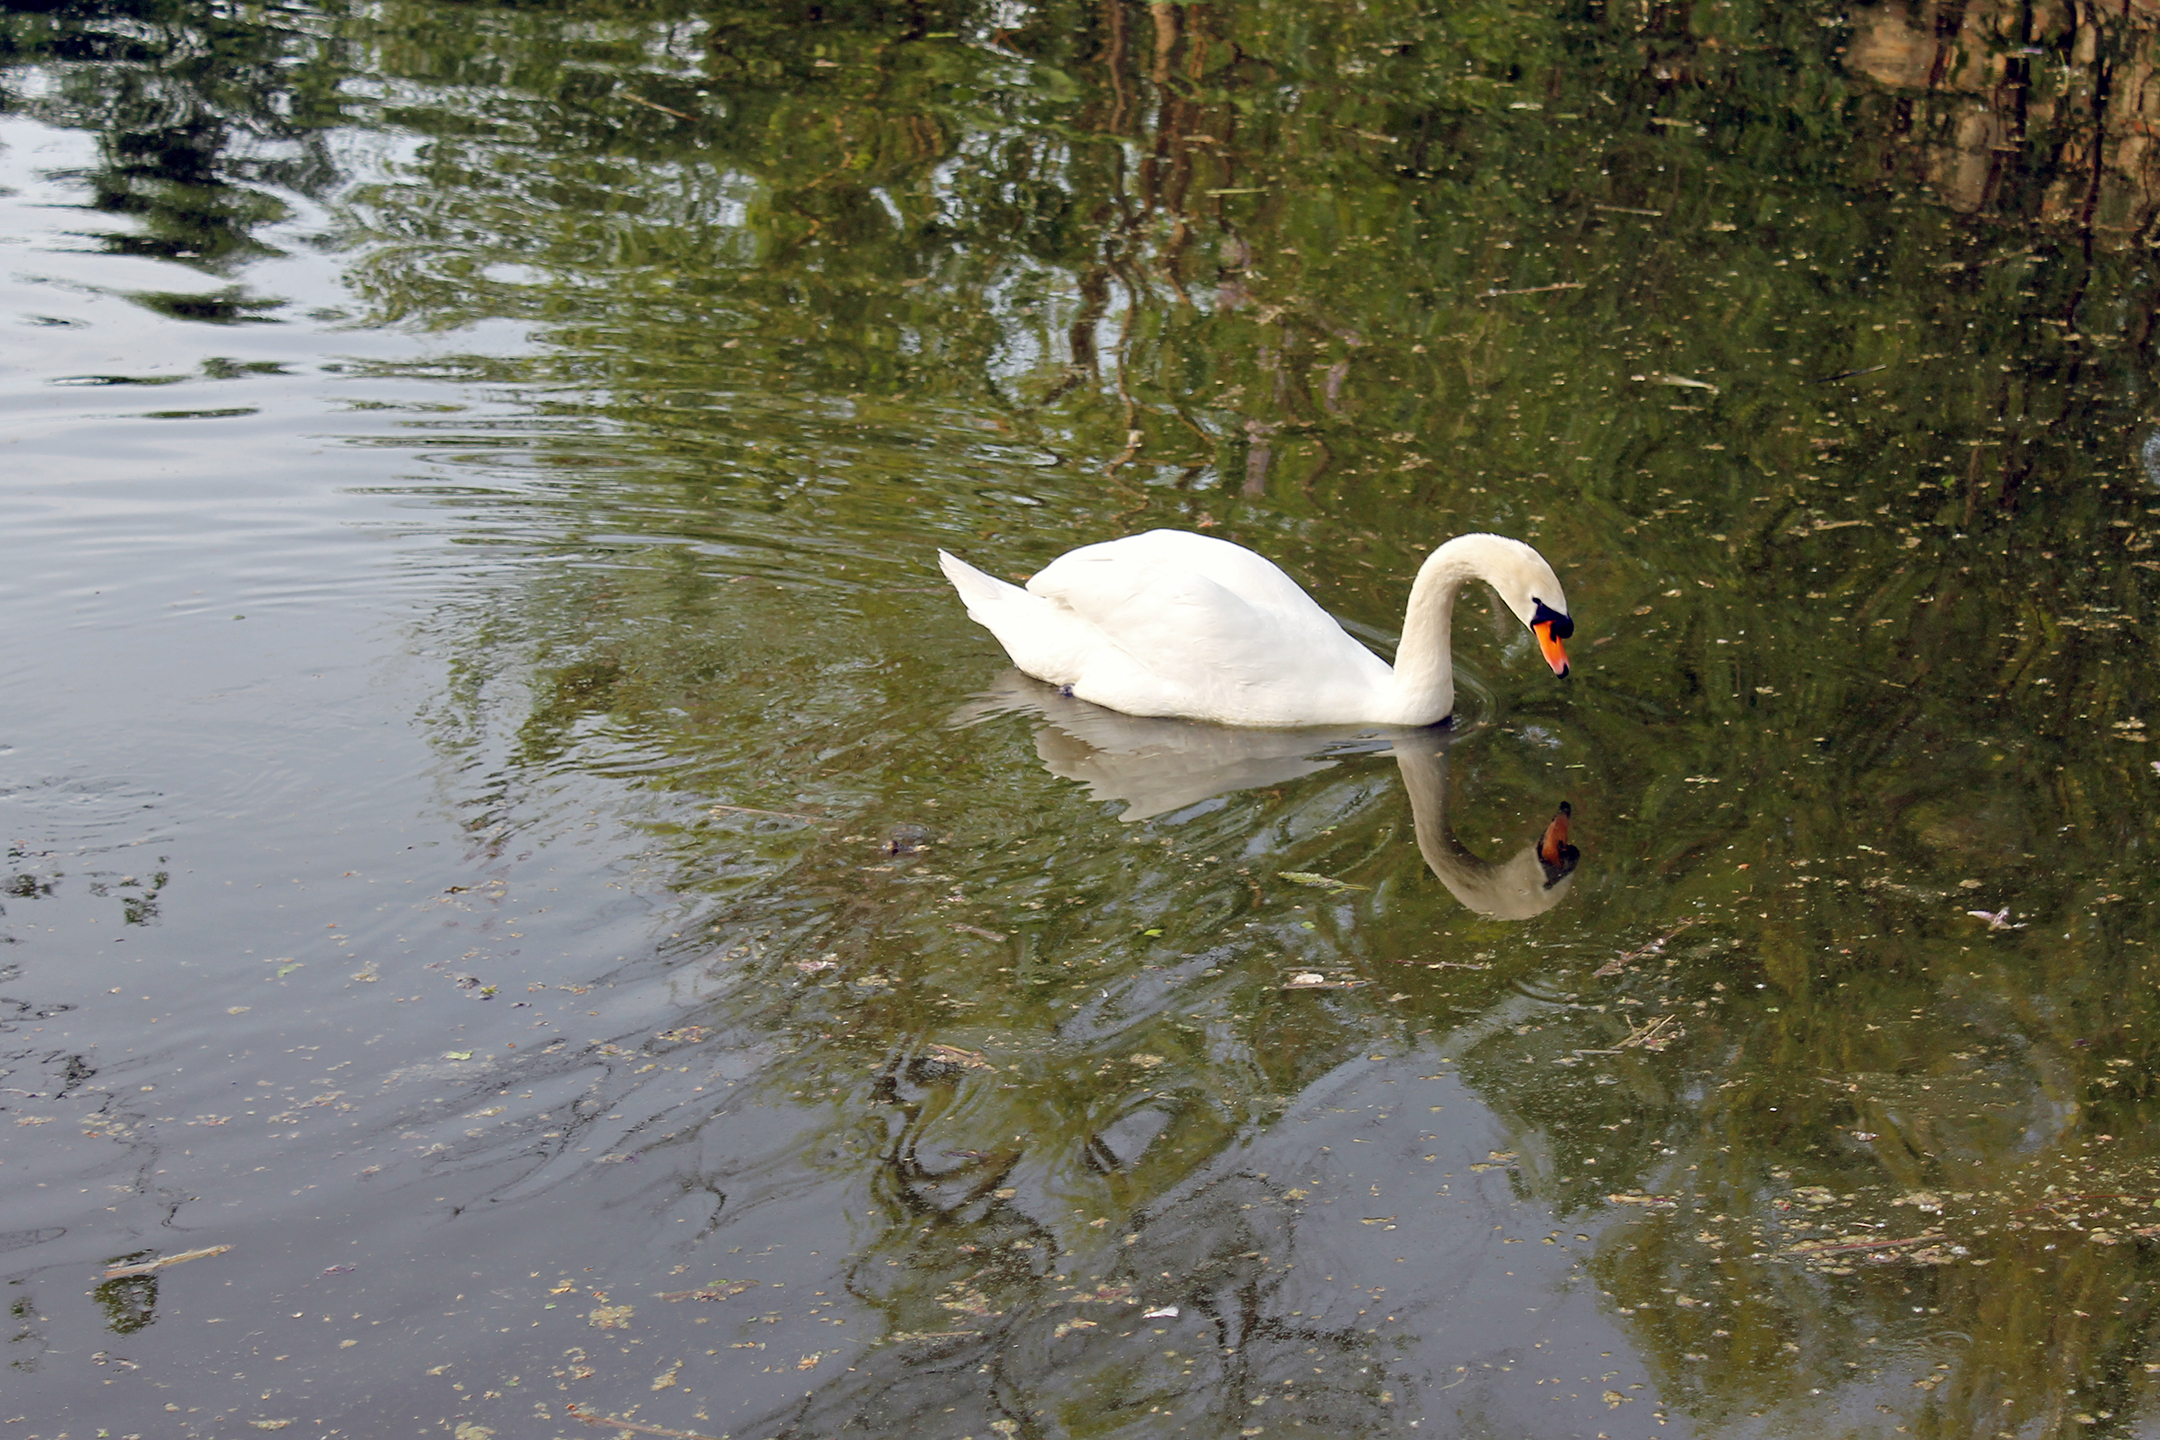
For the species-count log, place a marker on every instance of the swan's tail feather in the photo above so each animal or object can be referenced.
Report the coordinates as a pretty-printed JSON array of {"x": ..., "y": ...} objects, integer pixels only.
[
  {"x": 979, "y": 592},
  {"x": 1041, "y": 637}
]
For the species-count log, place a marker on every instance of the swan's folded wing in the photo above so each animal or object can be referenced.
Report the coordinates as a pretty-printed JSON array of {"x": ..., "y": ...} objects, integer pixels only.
[
  {"x": 1257, "y": 581},
  {"x": 1176, "y": 624}
]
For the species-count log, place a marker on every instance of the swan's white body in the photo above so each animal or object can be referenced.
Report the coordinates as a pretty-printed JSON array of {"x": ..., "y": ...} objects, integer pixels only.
[{"x": 1172, "y": 623}]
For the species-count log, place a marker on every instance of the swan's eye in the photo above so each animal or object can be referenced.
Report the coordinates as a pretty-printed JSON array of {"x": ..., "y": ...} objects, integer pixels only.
[{"x": 1563, "y": 628}]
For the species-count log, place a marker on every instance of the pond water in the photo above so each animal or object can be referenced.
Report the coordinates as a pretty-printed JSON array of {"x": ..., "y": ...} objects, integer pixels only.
[{"x": 527, "y": 894}]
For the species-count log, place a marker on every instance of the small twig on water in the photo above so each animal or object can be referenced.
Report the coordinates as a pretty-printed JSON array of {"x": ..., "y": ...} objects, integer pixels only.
[
  {"x": 1532, "y": 289},
  {"x": 640, "y": 100},
  {"x": 151, "y": 1267}
]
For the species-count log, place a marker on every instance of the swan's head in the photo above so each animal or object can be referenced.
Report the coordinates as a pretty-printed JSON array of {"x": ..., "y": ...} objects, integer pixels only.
[{"x": 1529, "y": 587}]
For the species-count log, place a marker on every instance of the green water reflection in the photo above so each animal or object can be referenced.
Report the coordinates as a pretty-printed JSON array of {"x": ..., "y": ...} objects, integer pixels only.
[{"x": 1812, "y": 344}]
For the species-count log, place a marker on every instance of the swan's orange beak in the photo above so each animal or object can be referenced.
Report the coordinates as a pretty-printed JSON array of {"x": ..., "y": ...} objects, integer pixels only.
[{"x": 1555, "y": 652}]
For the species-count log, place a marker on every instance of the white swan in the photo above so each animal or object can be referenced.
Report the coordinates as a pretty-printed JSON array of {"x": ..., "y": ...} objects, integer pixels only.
[{"x": 1172, "y": 623}]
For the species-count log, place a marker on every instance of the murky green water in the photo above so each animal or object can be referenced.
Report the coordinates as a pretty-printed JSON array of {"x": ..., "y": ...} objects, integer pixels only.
[{"x": 510, "y": 834}]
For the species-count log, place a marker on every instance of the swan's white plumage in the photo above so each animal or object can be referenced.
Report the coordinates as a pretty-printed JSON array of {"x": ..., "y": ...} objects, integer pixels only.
[{"x": 1172, "y": 623}]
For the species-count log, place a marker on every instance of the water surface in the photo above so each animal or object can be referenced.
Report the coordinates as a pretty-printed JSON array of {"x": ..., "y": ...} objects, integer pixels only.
[{"x": 509, "y": 833}]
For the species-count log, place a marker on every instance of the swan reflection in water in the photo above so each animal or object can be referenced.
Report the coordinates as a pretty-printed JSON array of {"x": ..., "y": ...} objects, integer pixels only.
[{"x": 1157, "y": 766}]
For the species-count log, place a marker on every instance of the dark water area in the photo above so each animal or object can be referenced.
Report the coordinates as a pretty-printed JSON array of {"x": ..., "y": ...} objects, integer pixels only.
[{"x": 527, "y": 904}]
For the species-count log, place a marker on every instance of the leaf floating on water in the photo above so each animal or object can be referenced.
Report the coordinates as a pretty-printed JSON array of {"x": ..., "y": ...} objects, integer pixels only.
[
  {"x": 457, "y": 1054},
  {"x": 684, "y": 1034},
  {"x": 149, "y": 1267},
  {"x": 1320, "y": 882}
]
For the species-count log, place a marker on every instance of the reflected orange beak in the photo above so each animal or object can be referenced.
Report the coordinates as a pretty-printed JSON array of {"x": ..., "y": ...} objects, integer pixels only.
[
  {"x": 1554, "y": 843},
  {"x": 1555, "y": 652}
]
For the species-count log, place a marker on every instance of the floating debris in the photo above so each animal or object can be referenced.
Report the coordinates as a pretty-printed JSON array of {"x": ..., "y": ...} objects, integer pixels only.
[
  {"x": 1320, "y": 882},
  {"x": 717, "y": 1290},
  {"x": 635, "y": 1426},
  {"x": 1997, "y": 919},
  {"x": 966, "y": 1059},
  {"x": 684, "y": 1034},
  {"x": 151, "y": 1267},
  {"x": 908, "y": 839},
  {"x": 775, "y": 814},
  {"x": 1845, "y": 1246},
  {"x": 1655, "y": 1036},
  {"x": 1657, "y": 946},
  {"x": 1313, "y": 980},
  {"x": 1681, "y": 381}
]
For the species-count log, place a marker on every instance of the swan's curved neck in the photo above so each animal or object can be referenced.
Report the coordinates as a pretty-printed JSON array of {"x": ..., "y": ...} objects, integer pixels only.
[{"x": 1425, "y": 661}]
